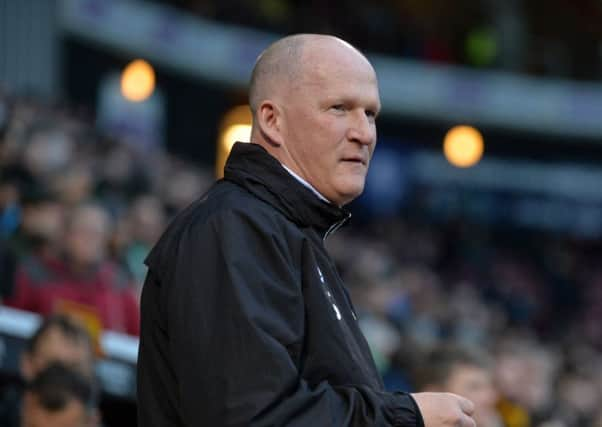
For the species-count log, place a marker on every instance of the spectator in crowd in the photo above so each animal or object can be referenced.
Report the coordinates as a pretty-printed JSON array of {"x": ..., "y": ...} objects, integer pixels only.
[
  {"x": 59, "y": 397},
  {"x": 120, "y": 177},
  {"x": 525, "y": 371},
  {"x": 579, "y": 398},
  {"x": 182, "y": 186},
  {"x": 463, "y": 371},
  {"x": 83, "y": 281},
  {"x": 38, "y": 235},
  {"x": 145, "y": 222},
  {"x": 58, "y": 339},
  {"x": 48, "y": 149}
]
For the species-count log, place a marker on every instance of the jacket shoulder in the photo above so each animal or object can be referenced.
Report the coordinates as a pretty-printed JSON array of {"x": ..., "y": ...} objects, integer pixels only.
[
  {"x": 227, "y": 199},
  {"x": 224, "y": 202}
]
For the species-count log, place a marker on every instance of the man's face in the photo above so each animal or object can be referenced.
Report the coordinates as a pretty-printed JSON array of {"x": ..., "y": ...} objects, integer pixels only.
[
  {"x": 44, "y": 220},
  {"x": 329, "y": 121},
  {"x": 88, "y": 235},
  {"x": 74, "y": 414},
  {"x": 54, "y": 346},
  {"x": 475, "y": 384}
]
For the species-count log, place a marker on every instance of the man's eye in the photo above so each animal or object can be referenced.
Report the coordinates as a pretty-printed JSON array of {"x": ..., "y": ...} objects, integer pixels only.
[
  {"x": 372, "y": 114},
  {"x": 338, "y": 107}
]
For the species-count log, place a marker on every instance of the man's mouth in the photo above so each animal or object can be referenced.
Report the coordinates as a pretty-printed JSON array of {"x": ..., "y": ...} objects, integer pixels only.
[{"x": 355, "y": 159}]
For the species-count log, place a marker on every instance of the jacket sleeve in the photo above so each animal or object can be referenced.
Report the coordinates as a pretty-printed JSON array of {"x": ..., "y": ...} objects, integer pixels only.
[{"x": 235, "y": 314}]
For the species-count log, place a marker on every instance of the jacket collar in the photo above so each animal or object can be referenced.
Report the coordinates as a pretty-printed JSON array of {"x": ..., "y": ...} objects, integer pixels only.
[{"x": 253, "y": 168}]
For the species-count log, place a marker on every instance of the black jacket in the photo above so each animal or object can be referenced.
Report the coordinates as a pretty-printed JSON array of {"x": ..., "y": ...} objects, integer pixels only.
[{"x": 245, "y": 321}]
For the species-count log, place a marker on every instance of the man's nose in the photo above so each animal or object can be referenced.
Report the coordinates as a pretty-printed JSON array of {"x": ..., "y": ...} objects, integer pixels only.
[{"x": 362, "y": 129}]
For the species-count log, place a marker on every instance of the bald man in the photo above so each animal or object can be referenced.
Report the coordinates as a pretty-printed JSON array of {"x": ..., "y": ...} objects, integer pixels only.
[{"x": 245, "y": 321}]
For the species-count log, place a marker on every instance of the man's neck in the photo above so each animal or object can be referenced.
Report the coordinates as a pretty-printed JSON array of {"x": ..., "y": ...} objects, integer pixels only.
[{"x": 305, "y": 183}]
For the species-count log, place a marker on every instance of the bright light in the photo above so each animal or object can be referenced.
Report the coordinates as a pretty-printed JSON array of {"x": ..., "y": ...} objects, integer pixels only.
[
  {"x": 463, "y": 146},
  {"x": 236, "y": 133},
  {"x": 138, "y": 81},
  {"x": 235, "y": 126}
]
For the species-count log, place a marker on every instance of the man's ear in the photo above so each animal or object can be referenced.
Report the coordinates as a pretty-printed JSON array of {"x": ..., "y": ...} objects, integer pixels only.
[{"x": 269, "y": 120}]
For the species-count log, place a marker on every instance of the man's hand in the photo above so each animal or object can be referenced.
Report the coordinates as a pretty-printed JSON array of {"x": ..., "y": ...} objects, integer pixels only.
[{"x": 445, "y": 410}]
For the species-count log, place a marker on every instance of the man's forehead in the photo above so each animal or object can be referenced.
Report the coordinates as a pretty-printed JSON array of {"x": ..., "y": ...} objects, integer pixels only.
[
  {"x": 319, "y": 63},
  {"x": 322, "y": 65},
  {"x": 328, "y": 71},
  {"x": 331, "y": 78},
  {"x": 333, "y": 54}
]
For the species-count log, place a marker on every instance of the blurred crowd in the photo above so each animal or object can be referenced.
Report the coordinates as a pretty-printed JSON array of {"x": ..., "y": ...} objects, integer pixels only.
[
  {"x": 509, "y": 318},
  {"x": 553, "y": 38},
  {"x": 79, "y": 212},
  {"x": 58, "y": 388}
]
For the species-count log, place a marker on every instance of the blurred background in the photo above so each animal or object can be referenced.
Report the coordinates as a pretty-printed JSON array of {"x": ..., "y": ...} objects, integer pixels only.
[{"x": 474, "y": 255}]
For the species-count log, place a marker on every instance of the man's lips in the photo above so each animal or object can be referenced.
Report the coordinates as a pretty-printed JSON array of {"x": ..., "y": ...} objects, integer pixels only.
[{"x": 355, "y": 159}]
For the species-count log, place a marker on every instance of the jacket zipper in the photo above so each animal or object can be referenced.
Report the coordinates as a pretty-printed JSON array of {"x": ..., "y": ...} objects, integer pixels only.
[{"x": 334, "y": 227}]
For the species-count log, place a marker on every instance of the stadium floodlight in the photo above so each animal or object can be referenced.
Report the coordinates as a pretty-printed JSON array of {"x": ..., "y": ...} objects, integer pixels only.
[
  {"x": 463, "y": 146},
  {"x": 235, "y": 126},
  {"x": 137, "y": 81}
]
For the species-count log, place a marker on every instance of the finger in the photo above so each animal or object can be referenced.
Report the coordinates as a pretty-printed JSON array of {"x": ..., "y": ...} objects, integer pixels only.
[
  {"x": 467, "y": 421},
  {"x": 466, "y": 405}
]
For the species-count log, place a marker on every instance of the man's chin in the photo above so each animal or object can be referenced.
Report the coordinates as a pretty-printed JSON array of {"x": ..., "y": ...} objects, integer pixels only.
[{"x": 350, "y": 193}]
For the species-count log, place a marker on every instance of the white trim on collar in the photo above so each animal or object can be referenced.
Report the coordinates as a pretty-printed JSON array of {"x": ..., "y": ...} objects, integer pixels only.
[{"x": 305, "y": 183}]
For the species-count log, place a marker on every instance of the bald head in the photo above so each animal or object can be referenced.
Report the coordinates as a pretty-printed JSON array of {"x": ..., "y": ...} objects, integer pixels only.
[
  {"x": 315, "y": 100},
  {"x": 282, "y": 64},
  {"x": 277, "y": 65}
]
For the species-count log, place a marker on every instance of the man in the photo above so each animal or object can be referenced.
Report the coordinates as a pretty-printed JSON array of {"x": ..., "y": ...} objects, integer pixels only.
[
  {"x": 245, "y": 321},
  {"x": 39, "y": 217},
  {"x": 59, "y": 397},
  {"x": 83, "y": 282},
  {"x": 58, "y": 339},
  {"x": 465, "y": 372}
]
